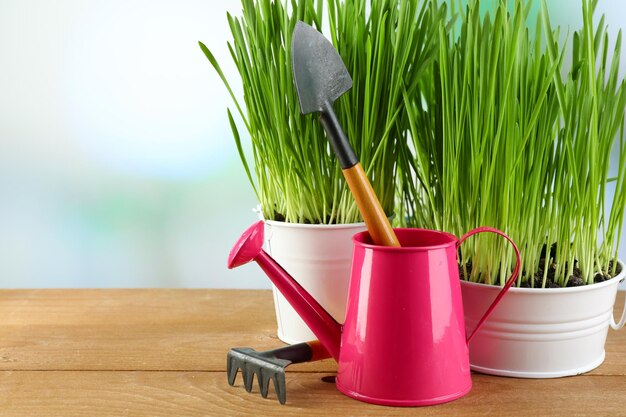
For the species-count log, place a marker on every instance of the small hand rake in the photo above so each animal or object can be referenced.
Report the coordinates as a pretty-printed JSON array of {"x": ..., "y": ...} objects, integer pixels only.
[{"x": 269, "y": 365}]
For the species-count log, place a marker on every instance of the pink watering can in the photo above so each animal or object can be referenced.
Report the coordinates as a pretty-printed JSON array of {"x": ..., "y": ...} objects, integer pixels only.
[{"x": 403, "y": 342}]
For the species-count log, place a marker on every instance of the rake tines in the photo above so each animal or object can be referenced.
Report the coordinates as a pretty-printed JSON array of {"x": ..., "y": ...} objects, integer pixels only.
[
  {"x": 270, "y": 365},
  {"x": 265, "y": 365}
]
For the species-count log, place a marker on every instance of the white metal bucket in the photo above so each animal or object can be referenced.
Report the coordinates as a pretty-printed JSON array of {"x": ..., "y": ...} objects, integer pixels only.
[
  {"x": 318, "y": 257},
  {"x": 541, "y": 333}
]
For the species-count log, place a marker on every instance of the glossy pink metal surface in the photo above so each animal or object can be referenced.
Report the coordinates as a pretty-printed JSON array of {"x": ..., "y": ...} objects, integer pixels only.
[
  {"x": 249, "y": 248},
  {"x": 403, "y": 341},
  {"x": 322, "y": 324}
]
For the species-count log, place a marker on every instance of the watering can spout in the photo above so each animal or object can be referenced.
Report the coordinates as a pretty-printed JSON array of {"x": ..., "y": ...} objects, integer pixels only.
[{"x": 249, "y": 248}]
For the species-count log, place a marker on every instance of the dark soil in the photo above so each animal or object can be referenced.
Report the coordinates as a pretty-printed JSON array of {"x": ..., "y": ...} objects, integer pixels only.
[
  {"x": 279, "y": 217},
  {"x": 575, "y": 280}
]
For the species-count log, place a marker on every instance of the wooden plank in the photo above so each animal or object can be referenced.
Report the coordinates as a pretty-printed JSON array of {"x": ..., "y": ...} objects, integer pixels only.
[
  {"x": 155, "y": 394},
  {"x": 157, "y": 329},
  {"x": 143, "y": 329}
]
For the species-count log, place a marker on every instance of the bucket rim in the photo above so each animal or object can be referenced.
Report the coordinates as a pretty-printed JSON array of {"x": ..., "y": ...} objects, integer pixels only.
[
  {"x": 616, "y": 280},
  {"x": 338, "y": 226}
]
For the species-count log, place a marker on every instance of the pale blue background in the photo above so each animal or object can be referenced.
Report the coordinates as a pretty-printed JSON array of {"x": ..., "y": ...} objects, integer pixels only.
[{"x": 117, "y": 165}]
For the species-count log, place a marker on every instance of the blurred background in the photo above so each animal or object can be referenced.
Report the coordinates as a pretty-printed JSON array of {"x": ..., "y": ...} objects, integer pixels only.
[{"x": 117, "y": 164}]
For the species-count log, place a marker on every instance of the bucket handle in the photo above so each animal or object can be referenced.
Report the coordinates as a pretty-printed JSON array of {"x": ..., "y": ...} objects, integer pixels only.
[
  {"x": 622, "y": 321},
  {"x": 509, "y": 282}
]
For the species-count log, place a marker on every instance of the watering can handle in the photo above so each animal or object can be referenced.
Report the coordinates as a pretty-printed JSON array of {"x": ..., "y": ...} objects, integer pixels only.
[{"x": 509, "y": 282}]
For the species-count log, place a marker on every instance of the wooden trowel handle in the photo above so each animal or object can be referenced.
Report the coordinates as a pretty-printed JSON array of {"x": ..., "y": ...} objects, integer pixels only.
[{"x": 373, "y": 214}]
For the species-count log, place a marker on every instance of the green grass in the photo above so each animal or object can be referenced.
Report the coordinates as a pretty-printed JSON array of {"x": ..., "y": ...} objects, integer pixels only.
[
  {"x": 501, "y": 138},
  {"x": 295, "y": 175},
  {"x": 592, "y": 102},
  {"x": 458, "y": 123}
]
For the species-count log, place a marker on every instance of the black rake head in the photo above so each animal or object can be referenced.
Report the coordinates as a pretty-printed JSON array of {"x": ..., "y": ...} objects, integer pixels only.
[{"x": 265, "y": 366}]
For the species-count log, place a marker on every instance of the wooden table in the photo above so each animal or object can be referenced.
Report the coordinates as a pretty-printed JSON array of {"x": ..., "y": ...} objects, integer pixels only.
[{"x": 163, "y": 353}]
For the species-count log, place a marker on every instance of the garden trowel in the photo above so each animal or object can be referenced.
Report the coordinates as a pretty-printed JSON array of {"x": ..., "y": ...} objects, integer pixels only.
[{"x": 321, "y": 78}]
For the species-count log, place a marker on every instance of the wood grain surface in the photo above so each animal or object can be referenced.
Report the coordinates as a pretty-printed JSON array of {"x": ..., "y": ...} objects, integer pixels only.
[{"x": 162, "y": 353}]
